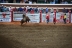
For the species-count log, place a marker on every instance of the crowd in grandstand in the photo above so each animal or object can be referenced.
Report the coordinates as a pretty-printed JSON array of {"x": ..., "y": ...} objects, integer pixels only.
[
  {"x": 32, "y": 9},
  {"x": 38, "y": 1}
]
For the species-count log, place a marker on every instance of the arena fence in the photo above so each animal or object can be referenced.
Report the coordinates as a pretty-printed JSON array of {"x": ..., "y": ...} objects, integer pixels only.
[{"x": 35, "y": 17}]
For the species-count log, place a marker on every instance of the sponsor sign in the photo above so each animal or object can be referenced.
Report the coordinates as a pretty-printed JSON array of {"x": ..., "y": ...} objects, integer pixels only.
[
  {"x": 51, "y": 17},
  {"x": 43, "y": 17},
  {"x": 17, "y": 16},
  {"x": 5, "y": 16}
]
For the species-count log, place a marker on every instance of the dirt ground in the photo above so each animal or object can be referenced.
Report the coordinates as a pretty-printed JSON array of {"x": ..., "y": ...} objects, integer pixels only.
[
  {"x": 34, "y": 35},
  {"x": 32, "y": 24}
]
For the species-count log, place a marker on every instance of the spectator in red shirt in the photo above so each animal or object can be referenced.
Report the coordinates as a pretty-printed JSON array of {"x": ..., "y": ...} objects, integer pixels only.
[{"x": 15, "y": 9}]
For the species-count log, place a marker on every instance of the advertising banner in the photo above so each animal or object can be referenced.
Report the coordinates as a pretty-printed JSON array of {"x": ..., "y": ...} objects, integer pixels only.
[
  {"x": 17, "y": 16},
  {"x": 34, "y": 18},
  {"x": 5, "y": 16},
  {"x": 43, "y": 17}
]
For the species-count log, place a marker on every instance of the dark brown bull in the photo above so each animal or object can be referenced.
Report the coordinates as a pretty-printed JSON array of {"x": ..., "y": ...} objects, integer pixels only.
[{"x": 25, "y": 19}]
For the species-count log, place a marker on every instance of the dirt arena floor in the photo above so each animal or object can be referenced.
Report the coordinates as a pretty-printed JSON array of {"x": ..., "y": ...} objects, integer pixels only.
[{"x": 33, "y": 35}]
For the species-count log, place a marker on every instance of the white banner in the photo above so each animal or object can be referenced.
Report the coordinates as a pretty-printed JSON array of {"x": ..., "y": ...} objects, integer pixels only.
[
  {"x": 5, "y": 16},
  {"x": 34, "y": 18},
  {"x": 51, "y": 17},
  {"x": 17, "y": 16},
  {"x": 43, "y": 17}
]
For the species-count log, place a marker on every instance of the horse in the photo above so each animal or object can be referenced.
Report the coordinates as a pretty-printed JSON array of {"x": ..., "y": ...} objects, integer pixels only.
[{"x": 25, "y": 19}]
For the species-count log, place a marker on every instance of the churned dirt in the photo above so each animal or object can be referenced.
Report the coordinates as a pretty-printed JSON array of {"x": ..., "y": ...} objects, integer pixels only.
[{"x": 35, "y": 35}]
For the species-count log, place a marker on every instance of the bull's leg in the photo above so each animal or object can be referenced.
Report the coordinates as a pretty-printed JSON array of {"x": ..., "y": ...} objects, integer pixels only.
[
  {"x": 26, "y": 20},
  {"x": 22, "y": 21}
]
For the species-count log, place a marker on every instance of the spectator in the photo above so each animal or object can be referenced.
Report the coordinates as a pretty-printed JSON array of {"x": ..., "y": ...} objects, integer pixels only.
[
  {"x": 27, "y": 1},
  {"x": 3, "y": 1},
  {"x": 52, "y": 2},
  {"x": 24, "y": 8},
  {"x": 10, "y": 8},
  {"x": 28, "y": 8},
  {"x": 64, "y": 10},
  {"x": 15, "y": 9},
  {"x": 52, "y": 10},
  {"x": 17, "y": 1},
  {"x": 67, "y": 10},
  {"x": 31, "y": 8},
  {"x": 34, "y": 9},
  {"x": 10, "y": 1},
  {"x": 71, "y": 2},
  {"x": 24, "y": 1},
  {"x": 64, "y": 2},
  {"x": 20, "y": 9},
  {"x": 57, "y": 10},
  {"x": 42, "y": 10},
  {"x": 34, "y": 2},
  {"x": 45, "y": 1},
  {"x": 46, "y": 9},
  {"x": 2, "y": 8},
  {"x": 56, "y": 1},
  {"x": 5, "y": 9},
  {"x": 37, "y": 9},
  {"x": 30, "y": 2}
]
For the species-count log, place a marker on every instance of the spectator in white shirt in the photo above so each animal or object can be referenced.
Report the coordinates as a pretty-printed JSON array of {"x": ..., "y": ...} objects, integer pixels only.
[
  {"x": 52, "y": 10},
  {"x": 30, "y": 2},
  {"x": 10, "y": 8}
]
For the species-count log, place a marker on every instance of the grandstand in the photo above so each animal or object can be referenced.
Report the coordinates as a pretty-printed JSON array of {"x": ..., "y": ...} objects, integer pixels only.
[{"x": 37, "y": 33}]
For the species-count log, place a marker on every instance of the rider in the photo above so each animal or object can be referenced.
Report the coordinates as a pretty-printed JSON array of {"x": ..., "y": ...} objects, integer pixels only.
[{"x": 24, "y": 17}]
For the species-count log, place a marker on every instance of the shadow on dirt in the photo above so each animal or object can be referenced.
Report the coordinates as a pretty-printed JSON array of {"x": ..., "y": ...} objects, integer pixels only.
[{"x": 9, "y": 43}]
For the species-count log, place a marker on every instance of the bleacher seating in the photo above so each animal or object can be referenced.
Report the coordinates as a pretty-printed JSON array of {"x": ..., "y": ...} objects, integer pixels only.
[{"x": 50, "y": 6}]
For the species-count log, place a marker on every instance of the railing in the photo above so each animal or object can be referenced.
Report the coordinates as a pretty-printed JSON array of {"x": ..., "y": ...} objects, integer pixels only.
[{"x": 40, "y": 5}]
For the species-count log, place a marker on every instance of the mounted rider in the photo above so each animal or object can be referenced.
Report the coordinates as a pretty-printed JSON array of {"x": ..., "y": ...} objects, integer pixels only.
[{"x": 24, "y": 17}]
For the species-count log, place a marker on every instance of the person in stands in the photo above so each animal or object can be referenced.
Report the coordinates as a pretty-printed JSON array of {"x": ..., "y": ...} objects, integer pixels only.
[
  {"x": 46, "y": 9},
  {"x": 27, "y": 2},
  {"x": 10, "y": 1},
  {"x": 20, "y": 9},
  {"x": 17, "y": 1},
  {"x": 5, "y": 9},
  {"x": 14, "y": 9},
  {"x": 2, "y": 8},
  {"x": 30, "y": 1}
]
